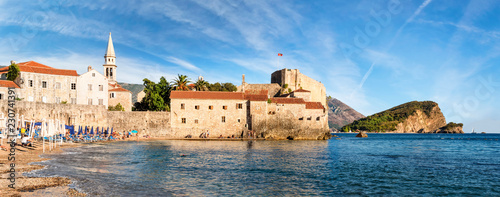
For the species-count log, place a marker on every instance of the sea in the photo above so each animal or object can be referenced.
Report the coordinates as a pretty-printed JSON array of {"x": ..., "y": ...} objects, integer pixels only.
[{"x": 380, "y": 165}]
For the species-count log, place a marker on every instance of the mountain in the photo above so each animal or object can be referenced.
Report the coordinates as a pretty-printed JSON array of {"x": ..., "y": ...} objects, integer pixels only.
[
  {"x": 340, "y": 114},
  {"x": 134, "y": 88},
  {"x": 411, "y": 117}
]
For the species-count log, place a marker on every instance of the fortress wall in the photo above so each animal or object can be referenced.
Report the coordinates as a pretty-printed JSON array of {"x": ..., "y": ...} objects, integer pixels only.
[
  {"x": 154, "y": 123},
  {"x": 203, "y": 119},
  {"x": 146, "y": 122},
  {"x": 91, "y": 115}
]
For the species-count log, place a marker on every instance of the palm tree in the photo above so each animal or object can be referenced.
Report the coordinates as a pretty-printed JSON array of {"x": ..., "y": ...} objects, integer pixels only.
[
  {"x": 201, "y": 85},
  {"x": 180, "y": 83}
]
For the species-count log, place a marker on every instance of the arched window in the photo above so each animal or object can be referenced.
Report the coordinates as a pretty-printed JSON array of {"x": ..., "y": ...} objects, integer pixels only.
[
  {"x": 111, "y": 72},
  {"x": 107, "y": 72}
]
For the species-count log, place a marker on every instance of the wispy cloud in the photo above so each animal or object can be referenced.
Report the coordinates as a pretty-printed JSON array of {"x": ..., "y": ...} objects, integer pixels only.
[{"x": 183, "y": 63}]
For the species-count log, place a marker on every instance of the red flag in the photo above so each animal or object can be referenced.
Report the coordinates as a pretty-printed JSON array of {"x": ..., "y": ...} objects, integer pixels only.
[{"x": 279, "y": 54}]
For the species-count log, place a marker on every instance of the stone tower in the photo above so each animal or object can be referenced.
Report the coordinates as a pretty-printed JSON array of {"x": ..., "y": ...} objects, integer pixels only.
[{"x": 109, "y": 62}]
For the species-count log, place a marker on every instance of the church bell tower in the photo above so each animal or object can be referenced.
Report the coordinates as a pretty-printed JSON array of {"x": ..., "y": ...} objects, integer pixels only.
[{"x": 109, "y": 62}]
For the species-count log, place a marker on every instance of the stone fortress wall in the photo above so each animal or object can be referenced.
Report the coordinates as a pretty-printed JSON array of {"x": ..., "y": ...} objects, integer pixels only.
[
  {"x": 152, "y": 123},
  {"x": 295, "y": 80}
]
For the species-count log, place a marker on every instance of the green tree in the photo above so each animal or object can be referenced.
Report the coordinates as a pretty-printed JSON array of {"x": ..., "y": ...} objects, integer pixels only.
[
  {"x": 180, "y": 83},
  {"x": 215, "y": 87},
  {"x": 201, "y": 85},
  {"x": 118, "y": 107},
  {"x": 13, "y": 72},
  {"x": 153, "y": 100},
  {"x": 229, "y": 87}
]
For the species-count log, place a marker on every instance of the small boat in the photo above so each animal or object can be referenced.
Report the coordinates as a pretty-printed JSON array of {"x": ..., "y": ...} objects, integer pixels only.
[{"x": 473, "y": 132}]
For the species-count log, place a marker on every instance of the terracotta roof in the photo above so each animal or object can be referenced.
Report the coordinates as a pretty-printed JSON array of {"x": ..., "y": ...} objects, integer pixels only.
[
  {"x": 256, "y": 92},
  {"x": 207, "y": 95},
  {"x": 314, "y": 105},
  {"x": 301, "y": 90},
  {"x": 256, "y": 95},
  {"x": 35, "y": 67},
  {"x": 119, "y": 89},
  {"x": 287, "y": 100},
  {"x": 8, "y": 84}
]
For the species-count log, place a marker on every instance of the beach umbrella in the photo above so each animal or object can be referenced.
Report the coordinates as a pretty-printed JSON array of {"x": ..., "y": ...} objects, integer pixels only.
[
  {"x": 102, "y": 130},
  {"x": 92, "y": 130},
  {"x": 79, "y": 130},
  {"x": 85, "y": 133},
  {"x": 107, "y": 131},
  {"x": 111, "y": 129},
  {"x": 134, "y": 131}
]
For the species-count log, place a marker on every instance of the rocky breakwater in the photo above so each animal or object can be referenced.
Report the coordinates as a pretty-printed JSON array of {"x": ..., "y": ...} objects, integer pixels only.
[{"x": 412, "y": 117}]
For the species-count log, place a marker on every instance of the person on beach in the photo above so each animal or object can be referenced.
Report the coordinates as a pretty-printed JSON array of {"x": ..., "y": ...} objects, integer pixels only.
[
  {"x": 25, "y": 141},
  {"x": 208, "y": 134}
]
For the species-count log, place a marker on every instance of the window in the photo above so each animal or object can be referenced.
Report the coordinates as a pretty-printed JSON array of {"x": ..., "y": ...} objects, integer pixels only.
[
  {"x": 301, "y": 118},
  {"x": 90, "y": 101},
  {"x": 211, "y": 107},
  {"x": 90, "y": 87},
  {"x": 195, "y": 121},
  {"x": 183, "y": 106},
  {"x": 73, "y": 100},
  {"x": 197, "y": 107},
  {"x": 309, "y": 118},
  {"x": 93, "y": 74},
  {"x": 58, "y": 85},
  {"x": 223, "y": 119},
  {"x": 239, "y": 105},
  {"x": 1, "y": 96},
  {"x": 30, "y": 83},
  {"x": 101, "y": 88},
  {"x": 183, "y": 120},
  {"x": 112, "y": 95},
  {"x": 73, "y": 86},
  {"x": 44, "y": 99},
  {"x": 224, "y": 107},
  {"x": 58, "y": 99},
  {"x": 317, "y": 119},
  {"x": 44, "y": 84},
  {"x": 239, "y": 120},
  {"x": 101, "y": 102}
]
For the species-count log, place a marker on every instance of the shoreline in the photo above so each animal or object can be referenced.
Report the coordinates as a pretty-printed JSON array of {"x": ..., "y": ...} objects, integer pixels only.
[
  {"x": 55, "y": 186},
  {"x": 32, "y": 186}
]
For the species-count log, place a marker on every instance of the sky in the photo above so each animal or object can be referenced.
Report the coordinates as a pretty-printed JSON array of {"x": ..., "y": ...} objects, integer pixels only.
[{"x": 371, "y": 55}]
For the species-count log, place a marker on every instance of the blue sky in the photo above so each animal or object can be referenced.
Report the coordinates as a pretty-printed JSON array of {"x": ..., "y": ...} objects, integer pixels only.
[{"x": 372, "y": 55}]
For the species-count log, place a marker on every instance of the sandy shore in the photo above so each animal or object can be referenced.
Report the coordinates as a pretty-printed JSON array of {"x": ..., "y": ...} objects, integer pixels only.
[
  {"x": 25, "y": 186},
  {"x": 51, "y": 186}
]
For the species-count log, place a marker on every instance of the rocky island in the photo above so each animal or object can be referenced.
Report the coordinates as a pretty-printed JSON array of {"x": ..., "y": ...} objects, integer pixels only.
[{"x": 411, "y": 117}]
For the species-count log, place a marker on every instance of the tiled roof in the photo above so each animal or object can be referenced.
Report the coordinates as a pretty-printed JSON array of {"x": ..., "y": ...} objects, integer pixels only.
[
  {"x": 301, "y": 90},
  {"x": 119, "y": 89},
  {"x": 287, "y": 100},
  {"x": 314, "y": 105},
  {"x": 207, "y": 95},
  {"x": 256, "y": 95},
  {"x": 35, "y": 67},
  {"x": 8, "y": 84}
]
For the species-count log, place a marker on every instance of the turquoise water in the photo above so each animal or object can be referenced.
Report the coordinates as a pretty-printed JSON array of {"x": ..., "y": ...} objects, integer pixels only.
[{"x": 380, "y": 165}]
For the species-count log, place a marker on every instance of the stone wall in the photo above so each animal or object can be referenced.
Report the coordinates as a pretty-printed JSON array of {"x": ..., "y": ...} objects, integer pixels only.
[
  {"x": 151, "y": 123},
  {"x": 272, "y": 88},
  {"x": 122, "y": 97},
  {"x": 91, "y": 115},
  {"x": 146, "y": 122},
  {"x": 190, "y": 120},
  {"x": 295, "y": 80}
]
